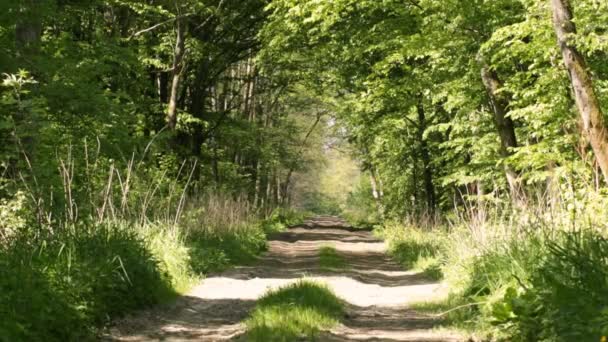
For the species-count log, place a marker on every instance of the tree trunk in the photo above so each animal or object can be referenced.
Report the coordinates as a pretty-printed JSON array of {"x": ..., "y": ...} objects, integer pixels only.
[
  {"x": 594, "y": 127},
  {"x": 28, "y": 30},
  {"x": 257, "y": 184},
  {"x": 178, "y": 58},
  {"x": 505, "y": 128},
  {"x": 481, "y": 207},
  {"x": 429, "y": 187},
  {"x": 28, "y": 34},
  {"x": 377, "y": 191},
  {"x": 277, "y": 189},
  {"x": 287, "y": 182}
]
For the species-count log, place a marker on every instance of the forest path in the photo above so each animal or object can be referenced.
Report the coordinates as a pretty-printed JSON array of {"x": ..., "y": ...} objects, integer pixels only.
[{"x": 376, "y": 289}]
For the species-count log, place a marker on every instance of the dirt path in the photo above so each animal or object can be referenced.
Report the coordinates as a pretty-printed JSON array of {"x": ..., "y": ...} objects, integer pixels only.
[{"x": 376, "y": 289}]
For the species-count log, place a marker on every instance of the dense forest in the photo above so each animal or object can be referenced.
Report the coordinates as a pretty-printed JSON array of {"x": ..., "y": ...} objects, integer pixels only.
[{"x": 146, "y": 144}]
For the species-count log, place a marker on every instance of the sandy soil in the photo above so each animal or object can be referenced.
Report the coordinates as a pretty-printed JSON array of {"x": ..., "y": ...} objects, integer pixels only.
[{"x": 376, "y": 289}]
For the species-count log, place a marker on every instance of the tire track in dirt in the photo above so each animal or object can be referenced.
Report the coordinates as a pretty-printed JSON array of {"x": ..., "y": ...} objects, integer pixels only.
[{"x": 376, "y": 289}]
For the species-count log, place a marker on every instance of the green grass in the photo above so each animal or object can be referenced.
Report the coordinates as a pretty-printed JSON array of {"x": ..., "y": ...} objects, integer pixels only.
[
  {"x": 415, "y": 249},
  {"x": 283, "y": 218},
  {"x": 542, "y": 284},
  {"x": 212, "y": 252},
  {"x": 61, "y": 289},
  {"x": 455, "y": 312},
  {"x": 300, "y": 310},
  {"x": 170, "y": 249},
  {"x": 68, "y": 285},
  {"x": 329, "y": 259}
]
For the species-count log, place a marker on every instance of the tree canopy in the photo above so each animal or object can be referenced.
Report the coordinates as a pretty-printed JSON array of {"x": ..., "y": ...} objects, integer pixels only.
[{"x": 474, "y": 129}]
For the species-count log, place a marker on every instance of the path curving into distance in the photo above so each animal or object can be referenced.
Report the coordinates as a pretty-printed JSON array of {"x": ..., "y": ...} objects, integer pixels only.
[{"x": 377, "y": 290}]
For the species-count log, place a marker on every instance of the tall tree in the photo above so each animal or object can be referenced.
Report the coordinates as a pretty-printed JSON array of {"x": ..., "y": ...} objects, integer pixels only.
[
  {"x": 593, "y": 123},
  {"x": 504, "y": 126},
  {"x": 178, "y": 61}
]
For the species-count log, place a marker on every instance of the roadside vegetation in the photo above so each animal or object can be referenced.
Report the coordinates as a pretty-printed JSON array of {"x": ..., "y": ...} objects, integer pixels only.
[
  {"x": 516, "y": 279},
  {"x": 64, "y": 281},
  {"x": 298, "y": 311},
  {"x": 414, "y": 248}
]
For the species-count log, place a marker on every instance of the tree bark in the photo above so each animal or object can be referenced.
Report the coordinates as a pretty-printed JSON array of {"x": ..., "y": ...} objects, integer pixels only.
[
  {"x": 505, "y": 128},
  {"x": 427, "y": 172},
  {"x": 178, "y": 58},
  {"x": 377, "y": 191},
  {"x": 28, "y": 30},
  {"x": 28, "y": 35},
  {"x": 594, "y": 127},
  {"x": 287, "y": 183},
  {"x": 257, "y": 184},
  {"x": 372, "y": 179}
]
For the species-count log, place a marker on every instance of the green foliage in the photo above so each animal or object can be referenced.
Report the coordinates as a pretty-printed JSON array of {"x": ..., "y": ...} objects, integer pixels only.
[
  {"x": 13, "y": 214},
  {"x": 267, "y": 93},
  {"x": 546, "y": 283},
  {"x": 170, "y": 248},
  {"x": 212, "y": 253},
  {"x": 300, "y": 310},
  {"x": 117, "y": 248},
  {"x": 565, "y": 296},
  {"x": 283, "y": 218},
  {"x": 64, "y": 287},
  {"x": 361, "y": 210},
  {"x": 320, "y": 204},
  {"x": 405, "y": 83},
  {"x": 60, "y": 290}
]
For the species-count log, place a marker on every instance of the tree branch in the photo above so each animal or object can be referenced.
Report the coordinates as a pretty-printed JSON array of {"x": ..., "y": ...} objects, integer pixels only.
[
  {"x": 154, "y": 27},
  {"x": 219, "y": 7}
]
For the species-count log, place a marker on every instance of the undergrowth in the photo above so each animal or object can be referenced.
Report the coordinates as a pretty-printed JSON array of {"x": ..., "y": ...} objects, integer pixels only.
[
  {"x": 415, "y": 249},
  {"x": 61, "y": 289},
  {"x": 109, "y": 249},
  {"x": 536, "y": 278},
  {"x": 298, "y": 311}
]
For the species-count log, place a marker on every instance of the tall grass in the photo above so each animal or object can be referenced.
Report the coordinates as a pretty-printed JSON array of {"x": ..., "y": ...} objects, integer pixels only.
[
  {"x": 415, "y": 248},
  {"x": 538, "y": 272},
  {"x": 218, "y": 213},
  {"x": 62, "y": 288},
  {"x": 112, "y": 238}
]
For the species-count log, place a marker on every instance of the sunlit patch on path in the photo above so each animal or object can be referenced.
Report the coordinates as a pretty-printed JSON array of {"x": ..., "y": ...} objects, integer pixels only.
[{"x": 376, "y": 289}]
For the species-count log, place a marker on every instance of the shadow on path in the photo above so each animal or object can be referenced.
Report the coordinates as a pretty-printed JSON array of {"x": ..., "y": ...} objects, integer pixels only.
[{"x": 376, "y": 289}]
